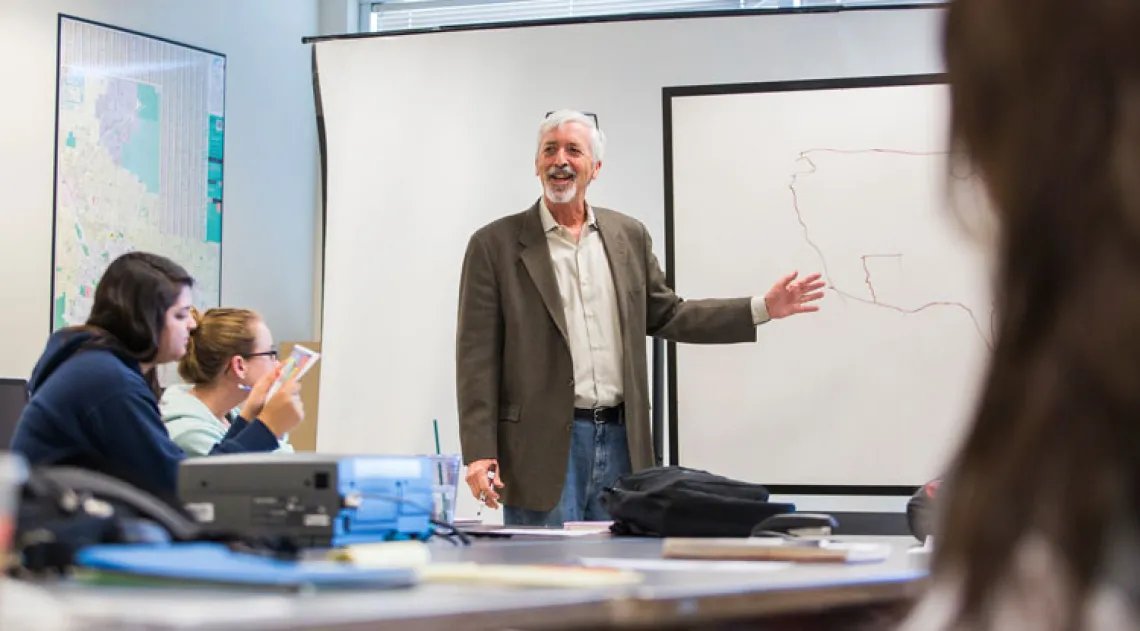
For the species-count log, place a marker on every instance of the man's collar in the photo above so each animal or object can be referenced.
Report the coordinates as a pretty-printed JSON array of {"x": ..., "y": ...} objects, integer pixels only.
[{"x": 548, "y": 222}]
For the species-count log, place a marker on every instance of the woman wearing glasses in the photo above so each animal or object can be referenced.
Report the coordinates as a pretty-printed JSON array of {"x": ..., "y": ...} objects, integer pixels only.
[
  {"x": 94, "y": 390},
  {"x": 230, "y": 350}
]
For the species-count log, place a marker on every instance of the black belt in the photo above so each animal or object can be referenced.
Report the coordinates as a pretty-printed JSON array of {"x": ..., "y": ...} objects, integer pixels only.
[{"x": 615, "y": 414}]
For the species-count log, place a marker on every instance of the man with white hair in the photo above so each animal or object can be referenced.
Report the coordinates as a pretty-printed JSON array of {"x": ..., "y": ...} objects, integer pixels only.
[{"x": 555, "y": 304}]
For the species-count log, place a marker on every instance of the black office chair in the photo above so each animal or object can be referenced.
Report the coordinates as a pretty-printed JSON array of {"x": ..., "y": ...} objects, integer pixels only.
[{"x": 13, "y": 398}]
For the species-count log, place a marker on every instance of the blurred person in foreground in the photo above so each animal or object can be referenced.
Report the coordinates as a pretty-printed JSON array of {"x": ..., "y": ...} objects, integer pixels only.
[{"x": 1038, "y": 518}]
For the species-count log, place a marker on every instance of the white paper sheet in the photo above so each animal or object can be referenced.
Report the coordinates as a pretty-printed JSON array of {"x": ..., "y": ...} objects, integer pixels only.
[
  {"x": 546, "y": 532},
  {"x": 684, "y": 565}
]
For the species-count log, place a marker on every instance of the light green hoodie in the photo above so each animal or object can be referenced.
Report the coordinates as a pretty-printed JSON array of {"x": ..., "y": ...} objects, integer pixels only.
[{"x": 192, "y": 426}]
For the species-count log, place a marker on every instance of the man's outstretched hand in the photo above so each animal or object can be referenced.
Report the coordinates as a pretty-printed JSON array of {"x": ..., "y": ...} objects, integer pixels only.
[{"x": 790, "y": 296}]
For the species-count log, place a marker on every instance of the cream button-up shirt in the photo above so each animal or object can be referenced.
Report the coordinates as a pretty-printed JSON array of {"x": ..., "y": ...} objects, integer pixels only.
[{"x": 589, "y": 301}]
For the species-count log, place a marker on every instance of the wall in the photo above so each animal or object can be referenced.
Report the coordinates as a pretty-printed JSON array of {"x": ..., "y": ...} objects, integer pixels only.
[
  {"x": 338, "y": 17},
  {"x": 271, "y": 154}
]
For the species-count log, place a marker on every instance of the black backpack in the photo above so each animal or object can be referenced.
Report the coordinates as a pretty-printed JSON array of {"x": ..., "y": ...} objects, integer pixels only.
[
  {"x": 920, "y": 510},
  {"x": 681, "y": 502}
]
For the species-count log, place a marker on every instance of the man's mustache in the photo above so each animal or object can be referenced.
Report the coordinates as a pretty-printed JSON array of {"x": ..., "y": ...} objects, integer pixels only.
[{"x": 566, "y": 171}]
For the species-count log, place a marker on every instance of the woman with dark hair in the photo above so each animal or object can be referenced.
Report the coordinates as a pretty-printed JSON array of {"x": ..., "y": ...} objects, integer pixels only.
[
  {"x": 1039, "y": 516},
  {"x": 92, "y": 392}
]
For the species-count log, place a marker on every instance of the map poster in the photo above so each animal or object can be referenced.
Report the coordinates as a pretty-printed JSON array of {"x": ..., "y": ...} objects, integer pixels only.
[{"x": 139, "y": 155}]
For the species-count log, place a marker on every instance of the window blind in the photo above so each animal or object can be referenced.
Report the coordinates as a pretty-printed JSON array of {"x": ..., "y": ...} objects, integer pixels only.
[{"x": 397, "y": 15}]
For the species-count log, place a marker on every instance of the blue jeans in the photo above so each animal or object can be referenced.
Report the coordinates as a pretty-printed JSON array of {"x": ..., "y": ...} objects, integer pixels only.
[{"x": 599, "y": 455}]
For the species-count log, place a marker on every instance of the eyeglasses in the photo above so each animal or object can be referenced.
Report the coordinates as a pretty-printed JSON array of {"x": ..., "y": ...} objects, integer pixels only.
[
  {"x": 271, "y": 353},
  {"x": 589, "y": 114}
]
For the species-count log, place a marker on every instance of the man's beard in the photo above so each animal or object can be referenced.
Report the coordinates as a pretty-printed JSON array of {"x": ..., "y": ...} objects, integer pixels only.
[
  {"x": 561, "y": 196},
  {"x": 567, "y": 194}
]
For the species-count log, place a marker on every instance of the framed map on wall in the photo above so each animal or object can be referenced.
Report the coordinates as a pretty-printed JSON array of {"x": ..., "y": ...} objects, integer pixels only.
[{"x": 139, "y": 155}]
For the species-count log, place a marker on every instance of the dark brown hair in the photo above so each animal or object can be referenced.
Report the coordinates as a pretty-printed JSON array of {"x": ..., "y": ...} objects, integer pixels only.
[
  {"x": 131, "y": 300},
  {"x": 1046, "y": 108},
  {"x": 221, "y": 334}
]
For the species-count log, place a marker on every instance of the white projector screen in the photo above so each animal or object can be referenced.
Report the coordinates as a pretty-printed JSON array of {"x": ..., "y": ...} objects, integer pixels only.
[
  {"x": 429, "y": 136},
  {"x": 848, "y": 178}
]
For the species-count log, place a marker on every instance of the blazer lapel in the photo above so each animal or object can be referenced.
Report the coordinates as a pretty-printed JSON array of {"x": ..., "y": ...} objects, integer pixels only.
[
  {"x": 536, "y": 258},
  {"x": 617, "y": 253}
]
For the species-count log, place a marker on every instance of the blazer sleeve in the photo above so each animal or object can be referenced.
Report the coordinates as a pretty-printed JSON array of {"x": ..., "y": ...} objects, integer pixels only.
[
  {"x": 478, "y": 354},
  {"x": 706, "y": 321}
]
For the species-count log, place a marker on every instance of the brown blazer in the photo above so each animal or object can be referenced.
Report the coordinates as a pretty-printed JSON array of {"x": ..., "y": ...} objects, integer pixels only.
[{"x": 515, "y": 377}]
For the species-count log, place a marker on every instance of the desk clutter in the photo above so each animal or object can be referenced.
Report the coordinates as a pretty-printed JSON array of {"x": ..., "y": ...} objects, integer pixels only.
[
  {"x": 387, "y": 565},
  {"x": 394, "y": 565},
  {"x": 320, "y": 522}
]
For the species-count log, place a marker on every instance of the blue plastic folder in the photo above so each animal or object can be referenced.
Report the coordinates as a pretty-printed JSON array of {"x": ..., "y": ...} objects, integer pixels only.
[{"x": 212, "y": 563}]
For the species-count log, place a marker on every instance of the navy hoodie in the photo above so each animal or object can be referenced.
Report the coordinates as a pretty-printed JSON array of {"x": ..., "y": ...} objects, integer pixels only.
[{"x": 93, "y": 404}]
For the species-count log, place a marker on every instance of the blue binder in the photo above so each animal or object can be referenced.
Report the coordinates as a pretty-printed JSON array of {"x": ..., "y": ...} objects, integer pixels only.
[{"x": 213, "y": 563}]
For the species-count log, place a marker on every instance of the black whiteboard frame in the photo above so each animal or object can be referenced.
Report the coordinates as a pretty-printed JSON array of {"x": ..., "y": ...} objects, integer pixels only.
[{"x": 668, "y": 94}]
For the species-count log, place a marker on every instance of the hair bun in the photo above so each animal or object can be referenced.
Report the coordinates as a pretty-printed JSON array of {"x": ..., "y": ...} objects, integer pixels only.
[
  {"x": 194, "y": 313},
  {"x": 221, "y": 333}
]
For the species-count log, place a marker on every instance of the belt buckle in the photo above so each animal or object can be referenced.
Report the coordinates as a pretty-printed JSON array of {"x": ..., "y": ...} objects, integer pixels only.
[{"x": 597, "y": 416}]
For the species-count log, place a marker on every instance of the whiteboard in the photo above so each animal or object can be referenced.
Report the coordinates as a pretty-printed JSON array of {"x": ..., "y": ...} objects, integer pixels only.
[
  {"x": 848, "y": 178},
  {"x": 429, "y": 136}
]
